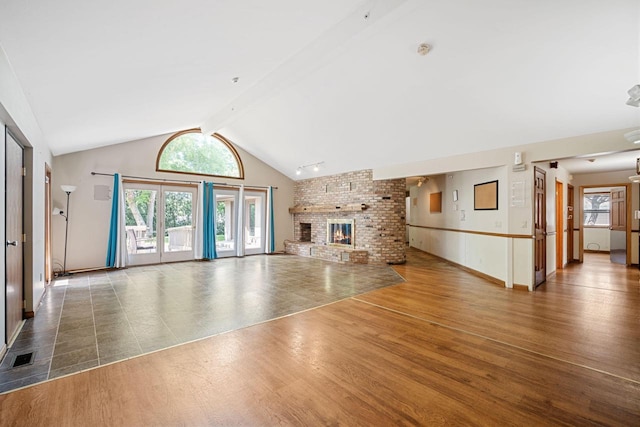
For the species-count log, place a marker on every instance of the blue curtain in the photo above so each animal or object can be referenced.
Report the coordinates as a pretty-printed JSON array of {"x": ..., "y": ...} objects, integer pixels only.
[
  {"x": 112, "y": 244},
  {"x": 209, "y": 222},
  {"x": 271, "y": 236}
]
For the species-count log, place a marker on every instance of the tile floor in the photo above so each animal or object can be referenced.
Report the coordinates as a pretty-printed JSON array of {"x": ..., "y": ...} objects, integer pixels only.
[{"x": 93, "y": 319}]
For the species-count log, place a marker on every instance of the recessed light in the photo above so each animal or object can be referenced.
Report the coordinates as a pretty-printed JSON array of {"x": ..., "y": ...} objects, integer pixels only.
[{"x": 235, "y": 79}]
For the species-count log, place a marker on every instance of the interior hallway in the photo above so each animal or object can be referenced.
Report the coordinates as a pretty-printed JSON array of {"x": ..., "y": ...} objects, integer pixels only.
[{"x": 444, "y": 347}]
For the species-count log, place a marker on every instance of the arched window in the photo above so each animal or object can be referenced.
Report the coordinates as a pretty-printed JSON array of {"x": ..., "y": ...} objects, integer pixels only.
[{"x": 192, "y": 152}]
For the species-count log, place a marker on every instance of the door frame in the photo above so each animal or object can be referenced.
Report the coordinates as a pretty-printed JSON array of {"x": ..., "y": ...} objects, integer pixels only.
[
  {"x": 262, "y": 195},
  {"x": 570, "y": 222},
  {"x": 229, "y": 192},
  {"x": 160, "y": 256},
  {"x": 628, "y": 210},
  {"x": 559, "y": 224}
]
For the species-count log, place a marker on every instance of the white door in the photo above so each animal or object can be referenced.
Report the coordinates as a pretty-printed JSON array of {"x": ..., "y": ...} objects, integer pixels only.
[
  {"x": 159, "y": 222},
  {"x": 254, "y": 222},
  {"x": 226, "y": 220}
]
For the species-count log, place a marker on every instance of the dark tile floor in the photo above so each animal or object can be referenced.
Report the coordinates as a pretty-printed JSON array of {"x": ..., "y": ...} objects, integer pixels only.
[{"x": 92, "y": 319}]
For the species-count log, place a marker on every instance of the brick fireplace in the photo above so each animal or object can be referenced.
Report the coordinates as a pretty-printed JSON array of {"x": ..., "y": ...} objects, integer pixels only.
[{"x": 375, "y": 208}]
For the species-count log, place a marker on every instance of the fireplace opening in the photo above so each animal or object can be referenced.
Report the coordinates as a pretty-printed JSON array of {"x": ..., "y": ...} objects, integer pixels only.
[
  {"x": 305, "y": 232},
  {"x": 340, "y": 232}
]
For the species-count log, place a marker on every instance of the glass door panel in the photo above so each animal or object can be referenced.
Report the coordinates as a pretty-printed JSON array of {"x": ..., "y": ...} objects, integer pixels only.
[
  {"x": 178, "y": 213},
  {"x": 254, "y": 222},
  {"x": 226, "y": 206},
  {"x": 141, "y": 223},
  {"x": 159, "y": 222}
]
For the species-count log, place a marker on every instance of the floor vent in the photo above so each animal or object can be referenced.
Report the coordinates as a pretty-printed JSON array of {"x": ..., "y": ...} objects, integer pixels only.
[{"x": 23, "y": 359}]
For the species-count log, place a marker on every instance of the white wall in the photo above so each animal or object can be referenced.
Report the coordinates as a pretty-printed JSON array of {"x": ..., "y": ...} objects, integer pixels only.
[
  {"x": 509, "y": 259},
  {"x": 16, "y": 114},
  {"x": 597, "y": 239},
  {"x": 89, "y": 218},
  {"x": 34, "y": 184}
]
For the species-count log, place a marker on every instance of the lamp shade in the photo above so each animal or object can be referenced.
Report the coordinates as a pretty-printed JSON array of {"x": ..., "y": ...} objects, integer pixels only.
[{"x": 68, "y": 188}]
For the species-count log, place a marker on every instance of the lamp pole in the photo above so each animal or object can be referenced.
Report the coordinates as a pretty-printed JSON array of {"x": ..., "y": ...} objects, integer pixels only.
[
  {"x": 67, "y": 189},
  {"x": 66, "y": 234}
]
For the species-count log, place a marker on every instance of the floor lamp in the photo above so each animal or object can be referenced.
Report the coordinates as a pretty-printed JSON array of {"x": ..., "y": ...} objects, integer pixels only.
[{"x": 67, "y": 189}]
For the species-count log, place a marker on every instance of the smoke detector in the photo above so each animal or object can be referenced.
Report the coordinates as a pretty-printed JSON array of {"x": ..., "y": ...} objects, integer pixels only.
[{"x": 423, "y": 49}]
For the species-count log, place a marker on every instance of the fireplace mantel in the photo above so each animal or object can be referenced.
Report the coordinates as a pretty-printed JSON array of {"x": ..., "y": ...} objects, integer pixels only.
[{"x": 354, "y": 207}]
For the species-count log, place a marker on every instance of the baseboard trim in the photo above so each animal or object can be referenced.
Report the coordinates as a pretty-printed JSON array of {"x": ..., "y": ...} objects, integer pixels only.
[
  {"x": 517, "y": 287},
  {"x": 591, "y": 251},
  {"x": 469, "y": 270}
]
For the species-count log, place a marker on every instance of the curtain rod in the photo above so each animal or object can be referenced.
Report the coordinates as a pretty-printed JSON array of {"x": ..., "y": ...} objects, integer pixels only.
[{"x": 179, "y": 180}]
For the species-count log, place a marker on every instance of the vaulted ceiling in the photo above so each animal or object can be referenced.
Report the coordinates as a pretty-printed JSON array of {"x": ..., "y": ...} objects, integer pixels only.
[{"x": 332, "y": 81}]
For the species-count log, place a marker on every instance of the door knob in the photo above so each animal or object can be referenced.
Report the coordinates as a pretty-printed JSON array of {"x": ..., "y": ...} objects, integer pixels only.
[{"x": 12, "y": 243}]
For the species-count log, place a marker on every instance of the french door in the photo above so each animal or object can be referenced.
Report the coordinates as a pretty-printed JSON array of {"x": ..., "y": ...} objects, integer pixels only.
[
  {"x": 226, "y": 222},
  {"x": 254, "y": 222},
  {"x": 160, "y": 222},
  {"x": 249, "y": 222}
]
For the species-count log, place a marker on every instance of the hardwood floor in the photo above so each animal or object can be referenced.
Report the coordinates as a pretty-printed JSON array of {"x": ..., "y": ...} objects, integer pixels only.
[{"x": 443, "y": 348}]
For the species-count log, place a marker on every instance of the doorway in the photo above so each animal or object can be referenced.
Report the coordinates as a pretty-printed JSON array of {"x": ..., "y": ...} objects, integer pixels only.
[
  {"x": 159, "y": 222},
  {"x": 254, "y": 222},
  {"x": 540, "y": 226},
  {"x": 14, "y": 279},
  {"x": 240, "y": 229},
  {"x": 605, "y": 226},
  {"x": 559, "y": 225}
]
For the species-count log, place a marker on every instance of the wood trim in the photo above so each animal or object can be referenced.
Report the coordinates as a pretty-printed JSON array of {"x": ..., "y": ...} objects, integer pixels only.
[
  {"x": 482, "y": 233},
  {"x": 354, "y": 207},
  {"x": 219, "y": 137},
  {"x": 591, "y": 251},
  {"x": 518, "y": 287},
  {"x": 559, "y": 197}
]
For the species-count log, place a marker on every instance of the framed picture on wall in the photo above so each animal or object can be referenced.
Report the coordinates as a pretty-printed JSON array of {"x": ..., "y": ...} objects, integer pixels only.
[{"x": 485, "y": 196}]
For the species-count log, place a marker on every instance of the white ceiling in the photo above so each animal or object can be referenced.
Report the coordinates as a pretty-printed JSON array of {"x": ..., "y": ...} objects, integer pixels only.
[{"x": 337, "y": 81}]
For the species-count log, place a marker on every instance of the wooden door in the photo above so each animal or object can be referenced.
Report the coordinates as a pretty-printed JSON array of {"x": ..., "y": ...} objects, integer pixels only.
[
  {"x": 14, "y": 246},
  {"x": 540, "y": 226},
  {"x": 618, "y": 228},
  {"x": 559, "y": 225},
  {"x": 570, "y": 202}
]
